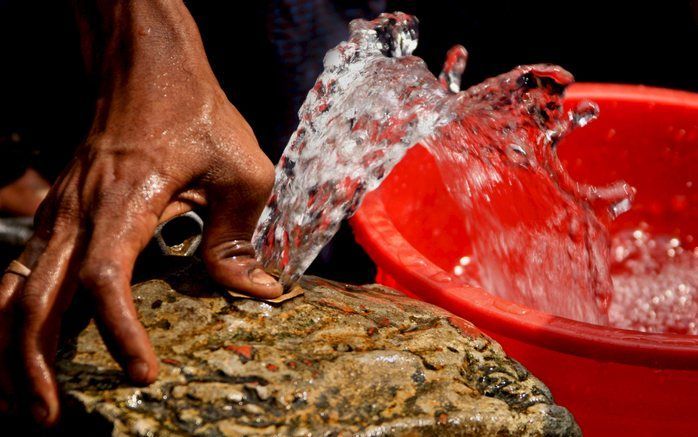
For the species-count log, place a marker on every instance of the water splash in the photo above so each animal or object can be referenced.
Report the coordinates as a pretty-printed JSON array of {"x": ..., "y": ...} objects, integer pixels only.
[
  {"x": 371, "y": 103},
  {"x": 536, "y": 234},
  {"x": 454, "y": 66}
]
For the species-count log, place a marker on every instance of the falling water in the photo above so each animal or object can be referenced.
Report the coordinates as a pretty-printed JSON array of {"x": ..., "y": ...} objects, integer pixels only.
[
  {"x": 538, "y": 237},
  {"x": 371, "y": 103}
]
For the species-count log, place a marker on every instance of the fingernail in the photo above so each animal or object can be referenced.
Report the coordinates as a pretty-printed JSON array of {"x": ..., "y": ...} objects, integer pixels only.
[
  {"x": 138, "y": 370},
  {"x": 259, "y": 276},
  {"x": 39, "y": 412}
]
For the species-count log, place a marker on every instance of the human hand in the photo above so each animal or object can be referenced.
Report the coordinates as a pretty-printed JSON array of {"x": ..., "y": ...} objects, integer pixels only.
[{"x": 164, "y": 139}]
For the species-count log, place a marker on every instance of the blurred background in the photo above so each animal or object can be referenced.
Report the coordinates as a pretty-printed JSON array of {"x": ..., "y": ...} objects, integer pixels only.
[{"x": 267, "y": 55}]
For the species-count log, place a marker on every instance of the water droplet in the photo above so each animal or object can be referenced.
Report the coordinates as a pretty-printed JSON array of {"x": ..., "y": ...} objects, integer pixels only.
[
  {"x": 585, "y": 112},
  {"x": 620, "y": 207},
  {"x": 454, "y": 65}
]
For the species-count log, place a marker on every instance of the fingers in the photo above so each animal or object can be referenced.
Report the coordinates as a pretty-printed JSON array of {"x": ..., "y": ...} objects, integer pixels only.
[
  {"x": 41, "y": 299},
  {"x": 227, "y": 251},
  {"x": 120, "y": 230},
  {"x": 11, "y": 286},
  {"x": 45, "y": 297},
  {"x": 13, "y": 354},
  {"x": 118, "y": 321},
  {"x": 183, "y": 203},
  {"x": 232, "y": 263}
]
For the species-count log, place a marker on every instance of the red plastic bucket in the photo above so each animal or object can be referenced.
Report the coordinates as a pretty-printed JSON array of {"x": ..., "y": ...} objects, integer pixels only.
[{"x": 615, "y": 382}]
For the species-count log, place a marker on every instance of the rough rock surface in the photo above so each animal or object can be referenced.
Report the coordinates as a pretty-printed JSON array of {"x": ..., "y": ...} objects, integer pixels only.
[{"x": 338, "y": 360}]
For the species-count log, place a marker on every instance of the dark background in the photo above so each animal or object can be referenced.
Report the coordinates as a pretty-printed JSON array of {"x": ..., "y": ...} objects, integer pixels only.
[{"x": 46, "y": 98}]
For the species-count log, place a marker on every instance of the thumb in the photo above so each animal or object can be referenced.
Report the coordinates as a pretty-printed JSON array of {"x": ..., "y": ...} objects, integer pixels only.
[{"x": 227, "y": 251}]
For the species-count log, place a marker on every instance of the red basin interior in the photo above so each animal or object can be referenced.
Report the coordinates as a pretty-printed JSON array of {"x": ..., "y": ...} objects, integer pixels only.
[{"x": 615, "y": 382}]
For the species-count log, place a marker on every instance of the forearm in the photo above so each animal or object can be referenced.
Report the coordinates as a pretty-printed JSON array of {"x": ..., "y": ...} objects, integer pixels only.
[
  {"x": 142, "y": 38},
  {"x": 145, "y": 54}
]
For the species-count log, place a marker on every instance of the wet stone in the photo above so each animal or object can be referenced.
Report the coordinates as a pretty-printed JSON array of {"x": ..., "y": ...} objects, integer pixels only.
[{"x": 335, "y": 361}]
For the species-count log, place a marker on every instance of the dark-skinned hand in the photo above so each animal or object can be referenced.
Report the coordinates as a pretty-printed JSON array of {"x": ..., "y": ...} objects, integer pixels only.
[{"x": 164, "y": 139}]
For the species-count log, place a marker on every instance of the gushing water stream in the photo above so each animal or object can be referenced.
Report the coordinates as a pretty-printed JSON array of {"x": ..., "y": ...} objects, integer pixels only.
[
  {"x": 538, "y": 237},
  {"x": 535, "y": 236},
  {"x": 370, "y": 104}
]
